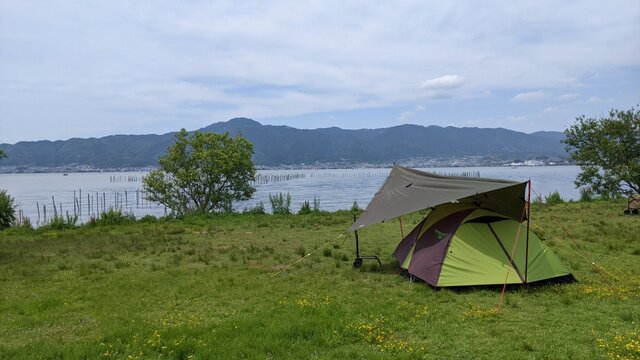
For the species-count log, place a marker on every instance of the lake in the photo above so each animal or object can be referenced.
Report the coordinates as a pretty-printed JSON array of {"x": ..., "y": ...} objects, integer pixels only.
[{"x": 89, "y": 193}]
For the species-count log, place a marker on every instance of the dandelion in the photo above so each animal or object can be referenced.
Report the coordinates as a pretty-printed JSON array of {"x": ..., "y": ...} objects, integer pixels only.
[{"x": 625, "y": 345}]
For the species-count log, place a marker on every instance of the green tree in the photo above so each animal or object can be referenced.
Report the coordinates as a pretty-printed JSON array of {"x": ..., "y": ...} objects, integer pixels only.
[
  {"x": 608, "y": 152},
  {"x": 3, "y": 155},
  {"x": 202, "y": 173}
]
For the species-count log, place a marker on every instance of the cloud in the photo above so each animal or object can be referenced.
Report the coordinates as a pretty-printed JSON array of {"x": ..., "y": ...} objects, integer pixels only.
[
  {"x": 568, "y": 97},
  {"x": 406, "y": 115},
  {"x": 530, "y": 96},
  {"x": 72, "y": 68},
  {"x": 517, "y": 119},
  {"x": 443, "y": 82}
]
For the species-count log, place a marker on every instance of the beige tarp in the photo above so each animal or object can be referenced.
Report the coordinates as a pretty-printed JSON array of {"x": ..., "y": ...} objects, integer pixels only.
[{"x": 408, "y": 190}]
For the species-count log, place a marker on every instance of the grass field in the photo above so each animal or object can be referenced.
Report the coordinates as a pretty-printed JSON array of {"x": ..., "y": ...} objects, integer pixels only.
[{"x": 202, "y": 288}]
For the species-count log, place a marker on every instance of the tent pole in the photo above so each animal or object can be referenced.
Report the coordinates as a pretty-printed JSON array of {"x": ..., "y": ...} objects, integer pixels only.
[
  {"x": 401, "y": 231},
  {"x": 526, "y": 264},
  {"x": 358, "y": 261}
]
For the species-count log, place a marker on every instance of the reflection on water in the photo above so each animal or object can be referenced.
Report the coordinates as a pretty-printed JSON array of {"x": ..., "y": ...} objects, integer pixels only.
[{"x": 88, "y": 193}]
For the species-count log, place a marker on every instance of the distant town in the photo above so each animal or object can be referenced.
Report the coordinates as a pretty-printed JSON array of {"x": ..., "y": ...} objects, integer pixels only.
[{"x": 416, "y": 162}]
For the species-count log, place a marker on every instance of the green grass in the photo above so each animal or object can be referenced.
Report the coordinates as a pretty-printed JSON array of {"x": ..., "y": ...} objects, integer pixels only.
[{"x": 205, "y": 288}]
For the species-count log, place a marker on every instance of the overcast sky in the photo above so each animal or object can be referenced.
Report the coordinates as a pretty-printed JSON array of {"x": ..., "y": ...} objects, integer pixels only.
[{"x": 96, "y": 68}]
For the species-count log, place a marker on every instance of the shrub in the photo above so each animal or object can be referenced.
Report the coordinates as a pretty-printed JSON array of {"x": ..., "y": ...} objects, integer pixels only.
[
  {"x": 22, "y": 225},
  {"x": 256, "y": 210},
  {"x": 586, "y": 194},
  {"x": 7, "y": 210},
  {"x": 280, "y": 204},
  {"x": 59, "y": 222},
  {"x": 553, "y": 198},
  {"x": 148, "y": 219},
  {"x": 305, "y": 208},
  {"x": 113, "y": 217}
]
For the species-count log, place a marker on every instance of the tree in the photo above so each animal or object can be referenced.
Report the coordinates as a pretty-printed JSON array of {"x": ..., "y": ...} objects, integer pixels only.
[
  {"x": 608, "y": 152},
  {"x": 3, "y": 155},
  {"x": 203, "y": 173}
]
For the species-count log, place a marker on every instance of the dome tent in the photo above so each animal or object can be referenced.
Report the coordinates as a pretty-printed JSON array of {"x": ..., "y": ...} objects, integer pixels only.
[
  {"x": 461, "y": 244},
  {"x": 474, "y": 235}
]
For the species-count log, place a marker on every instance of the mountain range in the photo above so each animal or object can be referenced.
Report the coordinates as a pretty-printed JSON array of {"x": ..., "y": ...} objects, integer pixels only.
[{"x": 284, "y": 145}]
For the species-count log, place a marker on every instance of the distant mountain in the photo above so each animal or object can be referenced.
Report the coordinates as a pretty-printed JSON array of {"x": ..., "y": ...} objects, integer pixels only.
[{"x": 284, "y": 145}]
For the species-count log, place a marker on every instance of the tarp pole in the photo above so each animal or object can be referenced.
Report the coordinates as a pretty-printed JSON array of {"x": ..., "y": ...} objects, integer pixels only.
[
  {"x": 526, "y": 257},
  {"x": 401, "y": 232},
  {"x": 357, "y": 241},
  {"x": 513, "y": 251}
]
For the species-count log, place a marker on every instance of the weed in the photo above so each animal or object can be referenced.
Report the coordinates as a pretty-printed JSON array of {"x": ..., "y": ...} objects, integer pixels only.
[
  {"x": 112, "y": 217},
  {"x": 258, "y": 209},
  {"x": 305, "y": 208},
  {"x": 148, "y": 219},
  {"x": 587, "y": 194},
  {"x": 301, "y": 251},
  {"x": 59, "y": 222},
  {"x": 280, "y": 204},
  {"x": 554, "y": 198}
]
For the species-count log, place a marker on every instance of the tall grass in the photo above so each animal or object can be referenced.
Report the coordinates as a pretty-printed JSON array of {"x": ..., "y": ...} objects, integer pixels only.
[{"x": 280, "y": 204}]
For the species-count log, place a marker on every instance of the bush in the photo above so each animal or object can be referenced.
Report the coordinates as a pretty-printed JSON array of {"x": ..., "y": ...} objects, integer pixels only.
[
  {"x": 148, "y": 219},
  {"x": 59, "y": 222},
  {"x": 305, "y": 208},
  {"x": 23, "y": 224},
  {"x": 280, "y": 204},
  {"x": 587, "y": 194},
  {"x": 7, "y": 210},
  {"x": 554, "y": 198},
  {"x": 256, "y": 210},
  {"x": 113, "y": 217}
]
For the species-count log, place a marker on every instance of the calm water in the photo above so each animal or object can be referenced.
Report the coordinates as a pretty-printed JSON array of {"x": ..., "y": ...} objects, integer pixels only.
[{"x": 87, "y": 193}]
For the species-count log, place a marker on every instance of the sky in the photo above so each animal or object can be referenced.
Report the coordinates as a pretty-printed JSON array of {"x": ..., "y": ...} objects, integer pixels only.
[{"x": 96, "y": 68}]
